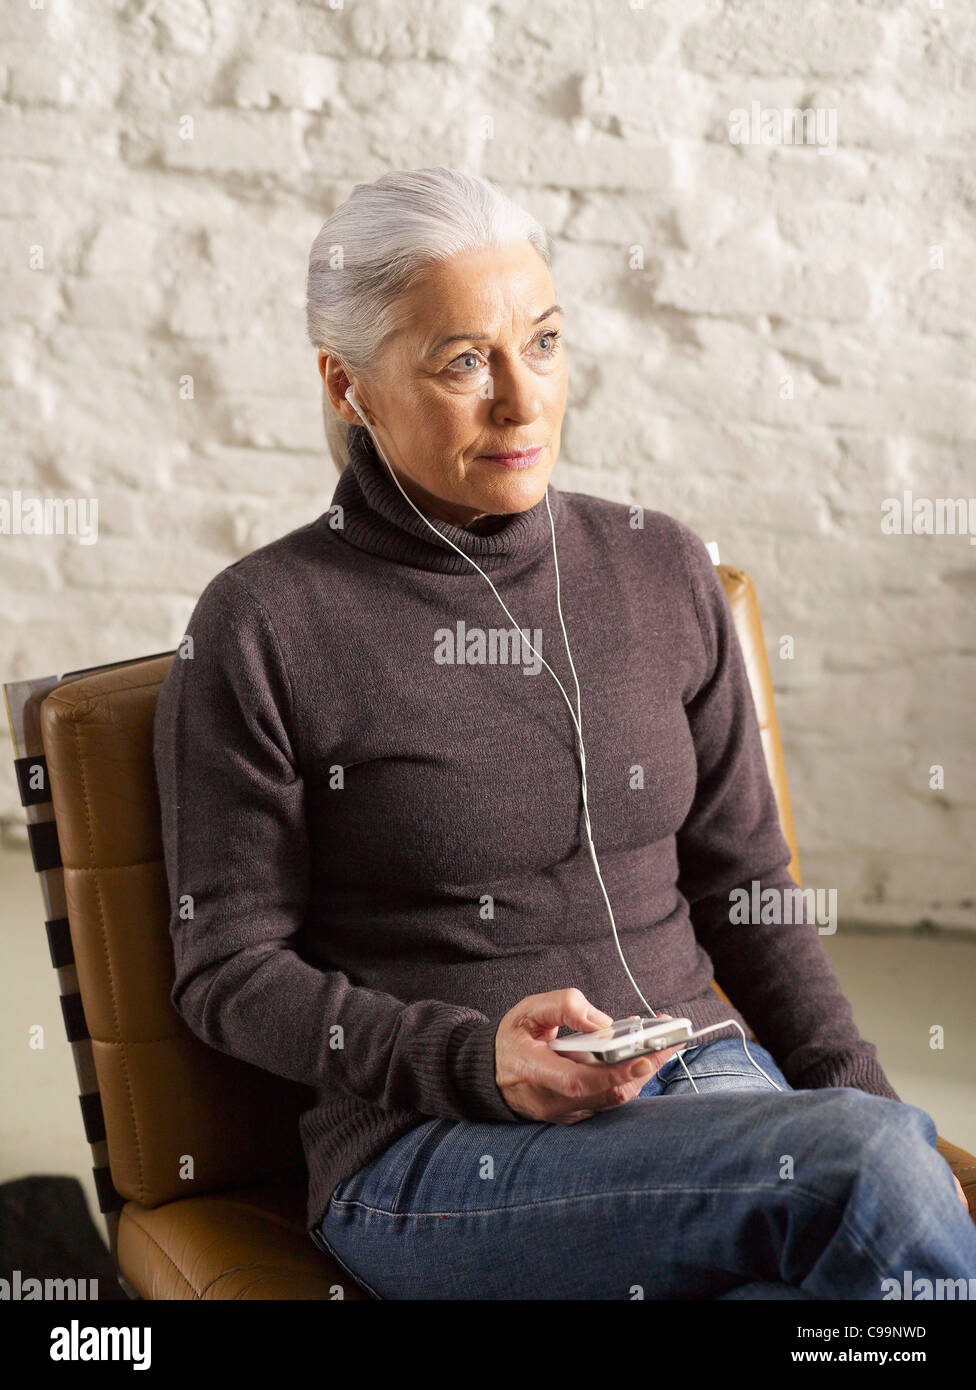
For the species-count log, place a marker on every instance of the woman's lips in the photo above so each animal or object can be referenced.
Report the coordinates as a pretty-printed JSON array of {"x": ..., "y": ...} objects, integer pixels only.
[{"x": 525, "y": 458}]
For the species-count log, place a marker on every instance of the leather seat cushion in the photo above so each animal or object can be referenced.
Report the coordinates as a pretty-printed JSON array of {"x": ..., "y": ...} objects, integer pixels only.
[{"x": 247, "y": 1242}]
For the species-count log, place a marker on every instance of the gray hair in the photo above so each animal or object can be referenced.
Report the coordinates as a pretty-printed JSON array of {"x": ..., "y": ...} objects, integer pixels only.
[{"x": 375, "y": 247}]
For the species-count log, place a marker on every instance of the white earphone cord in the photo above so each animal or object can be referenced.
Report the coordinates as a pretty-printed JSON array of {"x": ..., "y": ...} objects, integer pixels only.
[{"x": 577, "y": 721}]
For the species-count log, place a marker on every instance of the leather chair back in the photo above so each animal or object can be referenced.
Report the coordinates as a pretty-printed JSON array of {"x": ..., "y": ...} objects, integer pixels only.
[
  {"x": 741, "y": 594},
  {"x": 180, "y": 1118}
]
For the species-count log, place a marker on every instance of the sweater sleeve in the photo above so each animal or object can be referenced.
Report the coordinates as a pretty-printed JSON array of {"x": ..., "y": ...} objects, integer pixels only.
[
  {"x": 777, "y": 974},
  {"x": 237, "y": 855}
]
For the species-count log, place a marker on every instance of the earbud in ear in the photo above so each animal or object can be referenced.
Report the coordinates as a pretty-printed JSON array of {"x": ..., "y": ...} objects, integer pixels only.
[{"x": 351, "y": 398}]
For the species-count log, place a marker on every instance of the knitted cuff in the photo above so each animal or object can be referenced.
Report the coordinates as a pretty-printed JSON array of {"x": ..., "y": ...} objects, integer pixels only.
[
  {"x": 862, "y": 1072},
  {"x": 471, "y": 1064}
]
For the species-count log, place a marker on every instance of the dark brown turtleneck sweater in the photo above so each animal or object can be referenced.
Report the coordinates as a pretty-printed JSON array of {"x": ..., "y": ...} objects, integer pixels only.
[{"x": 371, "y": 790}]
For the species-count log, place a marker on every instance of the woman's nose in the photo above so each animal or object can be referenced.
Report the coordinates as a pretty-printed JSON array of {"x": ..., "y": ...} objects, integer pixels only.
[{"x": 515, "y": 394}]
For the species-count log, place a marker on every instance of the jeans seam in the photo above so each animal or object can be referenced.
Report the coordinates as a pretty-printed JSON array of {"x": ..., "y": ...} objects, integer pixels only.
[{"x": 586, "y": 1197}]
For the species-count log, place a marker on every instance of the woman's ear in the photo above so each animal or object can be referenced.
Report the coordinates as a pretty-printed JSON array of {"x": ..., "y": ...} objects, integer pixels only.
[{"x": 337, "y": 384}]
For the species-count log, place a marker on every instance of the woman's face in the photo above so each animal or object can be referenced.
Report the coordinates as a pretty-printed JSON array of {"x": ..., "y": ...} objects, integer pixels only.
[{"x": 478, "y": 371}]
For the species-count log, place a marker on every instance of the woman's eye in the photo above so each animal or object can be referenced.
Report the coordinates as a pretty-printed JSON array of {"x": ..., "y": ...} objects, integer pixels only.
[
  {"x": 465, "y": 356},
  {"x": 550, "y": 334}
]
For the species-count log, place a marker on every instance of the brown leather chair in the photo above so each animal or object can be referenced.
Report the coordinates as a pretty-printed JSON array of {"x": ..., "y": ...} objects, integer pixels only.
[{"x": 197, "y": 1159}]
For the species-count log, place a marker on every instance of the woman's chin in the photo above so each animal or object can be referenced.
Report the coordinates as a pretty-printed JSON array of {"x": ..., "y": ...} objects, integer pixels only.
[{"x": 513, "y": 490}]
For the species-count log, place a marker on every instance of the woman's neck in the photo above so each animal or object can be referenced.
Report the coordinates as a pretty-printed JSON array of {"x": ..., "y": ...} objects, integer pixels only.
[{"x": 487, "y": 525}]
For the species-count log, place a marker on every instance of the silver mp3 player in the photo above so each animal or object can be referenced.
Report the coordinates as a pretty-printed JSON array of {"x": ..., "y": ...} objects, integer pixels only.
[{"x": 625, "y": 1038}]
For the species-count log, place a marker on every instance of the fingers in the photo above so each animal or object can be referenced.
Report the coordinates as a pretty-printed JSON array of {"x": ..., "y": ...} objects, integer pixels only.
[
  {"x": 590, "y": 1082},
  {"x": 606, "y": 1098},
  {"x": 581, "y": 1080},
  {"x": 619, "y": 1095},
  {"x": 612, "y": 1089},
  {"x": 550, "y": 1104},
  {"x": 556, "y": 1088}
]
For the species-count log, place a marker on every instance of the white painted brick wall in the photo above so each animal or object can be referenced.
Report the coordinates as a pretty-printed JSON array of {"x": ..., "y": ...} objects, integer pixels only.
[{"x": 164, "y": 256}]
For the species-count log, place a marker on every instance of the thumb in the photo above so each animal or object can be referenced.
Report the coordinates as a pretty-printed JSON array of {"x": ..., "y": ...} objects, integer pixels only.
[
  {"x": 593, "y": 1019},
  {"x": 584, "y": 1016},
  {"x": 567, "y": 1008}
]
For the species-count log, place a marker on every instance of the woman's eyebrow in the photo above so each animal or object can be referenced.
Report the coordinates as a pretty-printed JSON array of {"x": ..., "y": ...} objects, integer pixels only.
[{"x": 478, "y": 337}]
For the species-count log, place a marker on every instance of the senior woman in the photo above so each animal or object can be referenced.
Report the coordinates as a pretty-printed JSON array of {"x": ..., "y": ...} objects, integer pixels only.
[{"x": 374, "y": 797}]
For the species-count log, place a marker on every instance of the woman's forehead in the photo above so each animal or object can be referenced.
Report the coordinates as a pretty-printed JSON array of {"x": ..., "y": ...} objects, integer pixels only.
[{"x": 475, "y": 293}]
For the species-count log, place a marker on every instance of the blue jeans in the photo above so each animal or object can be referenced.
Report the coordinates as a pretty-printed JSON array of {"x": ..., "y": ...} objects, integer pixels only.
[{"x": 742, "y": 1191}]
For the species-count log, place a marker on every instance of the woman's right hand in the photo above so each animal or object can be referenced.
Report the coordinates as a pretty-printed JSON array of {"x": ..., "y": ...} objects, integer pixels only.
[{"x": 540, "y": 1084}]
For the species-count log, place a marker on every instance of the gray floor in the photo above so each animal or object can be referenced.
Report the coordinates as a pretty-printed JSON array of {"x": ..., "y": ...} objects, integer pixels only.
[{"x": 899, "y": 987}]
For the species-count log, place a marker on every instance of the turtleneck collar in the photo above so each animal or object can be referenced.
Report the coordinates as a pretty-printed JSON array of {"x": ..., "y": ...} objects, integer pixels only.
[{"x": 378, "y": 518}]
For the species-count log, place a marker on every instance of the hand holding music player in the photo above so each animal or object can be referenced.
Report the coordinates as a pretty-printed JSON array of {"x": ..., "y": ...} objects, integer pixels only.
[{"x": 541, "y": 1083}]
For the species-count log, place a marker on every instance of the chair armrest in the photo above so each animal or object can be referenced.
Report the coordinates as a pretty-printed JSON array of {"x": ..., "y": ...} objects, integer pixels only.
[{"x": 963, "y": 1164}]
